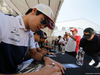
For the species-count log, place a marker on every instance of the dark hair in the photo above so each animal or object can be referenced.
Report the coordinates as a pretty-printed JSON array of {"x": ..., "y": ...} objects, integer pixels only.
[
  {"x": 89, "y": 30},
  {"x": 30, "y": 10},
  {"x": 59, "y": 36}
]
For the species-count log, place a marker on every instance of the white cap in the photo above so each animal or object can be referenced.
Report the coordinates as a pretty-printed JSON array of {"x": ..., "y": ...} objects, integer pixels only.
[{"x": 47, "y": 11}]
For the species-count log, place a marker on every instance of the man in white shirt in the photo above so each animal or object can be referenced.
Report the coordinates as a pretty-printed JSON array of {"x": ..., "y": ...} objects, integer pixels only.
[
  {"x": 63, "y": 43},
  {"x": 14, "y": 35},
  {"x": 72, "y": 46}
]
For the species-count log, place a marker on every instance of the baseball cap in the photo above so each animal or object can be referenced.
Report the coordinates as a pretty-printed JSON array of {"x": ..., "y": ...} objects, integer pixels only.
[
  {"x": 74, "y": 30},
  {"x": 41, "y": 33},
  {"x": 88, "y": 32},
  {"x": 47, "y": 11}
]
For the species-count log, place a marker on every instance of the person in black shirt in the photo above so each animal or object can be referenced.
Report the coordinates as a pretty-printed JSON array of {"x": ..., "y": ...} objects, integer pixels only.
[{"x": 91, "y": 44}]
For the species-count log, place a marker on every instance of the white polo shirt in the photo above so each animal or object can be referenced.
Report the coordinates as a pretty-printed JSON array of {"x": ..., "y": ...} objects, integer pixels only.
[
  {"x": 12, "y": 31},
  {"x": 71, "y": 45},
  {"x": 13, "y": 42}
]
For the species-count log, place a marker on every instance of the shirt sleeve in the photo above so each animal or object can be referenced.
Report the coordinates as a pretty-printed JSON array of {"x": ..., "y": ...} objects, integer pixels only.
[
  {"x": 0, "y": 32},
  {"x": 78, "y": 38},
  {"x": 32, "y": 40},
  {"x": 2, "y": 25},
  {"x": 81, "y": 43},
  {"x": 37, "y": 45}
]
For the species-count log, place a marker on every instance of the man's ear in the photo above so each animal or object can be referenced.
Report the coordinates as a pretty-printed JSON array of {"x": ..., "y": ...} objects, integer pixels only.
[{"x": 34, "y": 11}]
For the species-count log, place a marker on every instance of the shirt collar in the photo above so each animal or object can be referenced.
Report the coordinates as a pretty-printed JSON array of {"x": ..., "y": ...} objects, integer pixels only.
[{"x": 20, "y": 22}]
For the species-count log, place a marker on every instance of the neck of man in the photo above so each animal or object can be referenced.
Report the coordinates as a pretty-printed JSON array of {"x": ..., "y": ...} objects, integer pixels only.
[{"x": 25, "y": 19}]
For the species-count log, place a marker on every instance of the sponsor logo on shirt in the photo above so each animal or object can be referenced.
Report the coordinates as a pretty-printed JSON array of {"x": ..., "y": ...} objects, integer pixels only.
[
  {"x": 20, "y": 21},
  {"x": 15, "y": 40},
  {"x": 15, "y": 31}
]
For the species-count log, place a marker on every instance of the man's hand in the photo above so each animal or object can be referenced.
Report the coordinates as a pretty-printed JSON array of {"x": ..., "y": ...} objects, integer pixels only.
[
  {"x": 49, "y": 53},
  {"x": 49, "y": 61},
  {"x": 68, "y": 34},
  {"x": 50, "y": 70}
]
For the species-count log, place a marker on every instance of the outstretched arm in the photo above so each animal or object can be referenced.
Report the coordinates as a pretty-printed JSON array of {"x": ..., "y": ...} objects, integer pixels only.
[{"x": 48, "y": 61}]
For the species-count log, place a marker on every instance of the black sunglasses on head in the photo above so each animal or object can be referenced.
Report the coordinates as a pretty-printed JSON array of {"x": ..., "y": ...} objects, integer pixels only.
[{"x": 44, "y": 22}]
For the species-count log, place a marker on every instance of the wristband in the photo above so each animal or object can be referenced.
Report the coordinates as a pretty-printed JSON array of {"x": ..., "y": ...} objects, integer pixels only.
[{"x": 43, "y": 57}]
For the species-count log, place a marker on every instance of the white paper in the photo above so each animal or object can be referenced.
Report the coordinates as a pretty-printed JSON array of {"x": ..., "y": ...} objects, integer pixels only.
[
  {"x": 51, "y": 56},
  {"x": 70, "y": 65},
  {"x": 25, "y": 64}
]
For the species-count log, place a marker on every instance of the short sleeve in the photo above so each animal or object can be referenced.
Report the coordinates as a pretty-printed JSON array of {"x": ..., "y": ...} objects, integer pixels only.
[
  {"x": 2, "y": 25},
  {"x": 78, "y": 38},
  {"x": 32, "y": 43},
  {"x": 0, "y": 33},
  {"x": 37, "y": 45},
  {"x": 32, "y": 40}
]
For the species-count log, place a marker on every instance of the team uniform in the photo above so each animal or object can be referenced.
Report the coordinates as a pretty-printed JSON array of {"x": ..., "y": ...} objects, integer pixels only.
[{"x": 13, "y": 42}]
